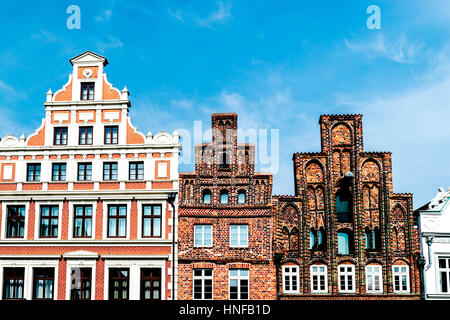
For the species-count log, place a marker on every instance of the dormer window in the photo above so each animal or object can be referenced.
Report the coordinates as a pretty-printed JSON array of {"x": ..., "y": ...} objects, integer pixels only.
[{"x": 87, "y": 91}]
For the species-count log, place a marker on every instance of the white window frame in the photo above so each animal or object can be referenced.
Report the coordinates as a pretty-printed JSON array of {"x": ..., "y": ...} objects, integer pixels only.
[
  {"x": 239, "y": 240},
  {"x": 203, "y": 227},
  {"x": 400, "y": 274},
  {"x": 163, "y": 205},
  {"x": 29, "y": 265},
  {"x": 37, "y": 218},
  {"x": 372, "y": 274},
  {"x": 203, "y": 278},
  {"x": 346, "y": 273},
  {"x": 72, "y": 204},
  {"x": 105, "y": 219},
  {"x": 291, "y": 273},
  {"x": 4, "y": 230},
  {"x": 134, "y": 286},
  {"x": 71, "y": 264},
  {"x": 438, "y": 276},
  {"x": 319, "y": 274},
  {"x": 239, "y": 277}
]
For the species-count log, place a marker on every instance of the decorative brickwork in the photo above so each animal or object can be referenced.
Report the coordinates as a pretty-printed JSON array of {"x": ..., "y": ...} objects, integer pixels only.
[
  {"x": 133, "y": 137},
  {"x": 38, "y": 138},
  {"x": 224, "y": 166},
  {"x": 344, "y": 213}
]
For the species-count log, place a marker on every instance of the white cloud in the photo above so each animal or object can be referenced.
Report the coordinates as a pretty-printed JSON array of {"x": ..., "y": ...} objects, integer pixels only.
[
  {"x": 399, "y": 50},
  {"x": 220, "y": 15}
]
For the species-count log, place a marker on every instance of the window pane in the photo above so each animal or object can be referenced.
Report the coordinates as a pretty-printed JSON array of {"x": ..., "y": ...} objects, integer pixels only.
[
  {"x": 234, "y": 235},
  {"x": 156, "y": 227},
  {"x": 343, "y": 243}
]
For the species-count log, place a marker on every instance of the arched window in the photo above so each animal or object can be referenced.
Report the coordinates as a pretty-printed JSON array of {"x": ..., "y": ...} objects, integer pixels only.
[
  {"x": 345, "y": 241},
  {"x": 376, "y": 238},
  {"x": 224, "y": 161},
  {"x": 241, "y": 197},
  {"x": 321, "y": 239},
  {"x": 312, "y": 238},
  {"x": 368, "y": 236},
  {"x": 207, "y": 196},
  {"x": 344, "y": 206},
  {"x": 224, "y": 197}
]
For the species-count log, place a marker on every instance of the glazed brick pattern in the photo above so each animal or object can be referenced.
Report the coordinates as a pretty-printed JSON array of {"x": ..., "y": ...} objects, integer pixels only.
[
  {"x": 319, "y": 177},
  {"x": 211, "y": 176}
]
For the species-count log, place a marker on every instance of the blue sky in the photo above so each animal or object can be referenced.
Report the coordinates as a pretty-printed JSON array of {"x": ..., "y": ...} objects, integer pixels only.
[{"x": 278, "y": 64}]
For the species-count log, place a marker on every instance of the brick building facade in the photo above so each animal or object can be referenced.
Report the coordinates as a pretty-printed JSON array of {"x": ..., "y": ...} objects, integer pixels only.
[
  {"x": 84, "y": 211},
  {"x": 345, "y": 234},
  {"x": 225, "y": 221}
]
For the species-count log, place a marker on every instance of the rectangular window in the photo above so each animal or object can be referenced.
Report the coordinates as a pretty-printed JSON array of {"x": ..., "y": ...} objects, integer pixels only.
[
  {"x": 82, "y": 221},
  {"x": 87, "y": 90},
  {"x": 119, "y": 283},
  {"x": 85, "y": 136},
  {"x": 85, "y": 171},
  {"x": 444, "y": 274},
  {"x": 111, "y": 134},
  {"x": 401, "y": 278},
  {"x": 43, "y": 283},
  {"x": 15, "y": 224},
  {"x": 110, "y": 171},
  {"x": 239, "y": 235},
  {"x": 374, "y": 279},
  {"x": 59, "y": 172},
  {"x": 117, "y": 221},
  {"x": 60, "y": 136},
  {"x": 346, "y": 276},
  {"x": 150, "y": 284},
  {"x": 13, "y": 279},
  {"x": 34, "y": 172},
  {"x": 319, "y": 278},
  {"x": 151, "y": 221},
  {"x": 136, "y": 171},
  {"x": 203, "y": 284},
  {"x": 49, "y": 222},
  {"x": 239, "y": 284},
  {"x": 290, "y": 279},
  {"x": 81, "y": 284},
  {"x": 203, "y": 235}
]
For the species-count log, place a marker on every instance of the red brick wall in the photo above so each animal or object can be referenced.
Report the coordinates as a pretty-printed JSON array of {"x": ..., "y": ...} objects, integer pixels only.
[
  {"x": 255, "y": 212},
  {"x": 261, "y": 278},
  {"x": 319, "y": 177}
]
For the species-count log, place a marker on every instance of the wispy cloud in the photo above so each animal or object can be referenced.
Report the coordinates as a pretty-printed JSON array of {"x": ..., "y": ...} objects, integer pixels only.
[
  {"x": 399, "y": 50},
  {"x": 176, "y": 15},
  {"x": 104, "y": 15},
  {"x": 7, "y": 89},
  {"x": 112, "y": 43},
  {"x": 220, "y": 15}
]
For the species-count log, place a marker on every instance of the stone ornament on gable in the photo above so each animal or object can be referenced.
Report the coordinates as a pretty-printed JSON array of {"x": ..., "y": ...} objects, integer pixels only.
[
  {"x": 9, "y": 141},
  {"x": 87, "y": 73},
  {"x": 439, "y": 198}
]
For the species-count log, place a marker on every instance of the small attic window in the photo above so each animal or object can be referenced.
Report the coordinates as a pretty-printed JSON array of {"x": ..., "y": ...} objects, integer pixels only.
[{"x": 87, "y": 91}]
